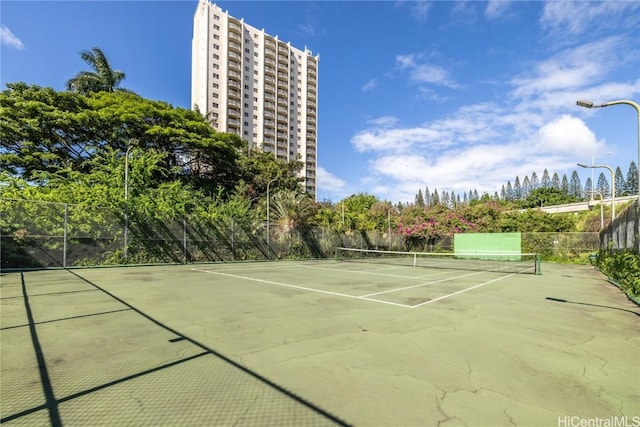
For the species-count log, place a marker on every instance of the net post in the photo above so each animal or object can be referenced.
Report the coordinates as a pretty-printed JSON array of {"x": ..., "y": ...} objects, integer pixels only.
[
  {"x": 538, "y": 265},
  {"x": 415, "y": 259}
]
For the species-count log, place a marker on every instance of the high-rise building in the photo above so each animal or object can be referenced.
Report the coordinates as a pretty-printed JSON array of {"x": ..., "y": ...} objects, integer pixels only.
[{"x": 247, "y": 82}]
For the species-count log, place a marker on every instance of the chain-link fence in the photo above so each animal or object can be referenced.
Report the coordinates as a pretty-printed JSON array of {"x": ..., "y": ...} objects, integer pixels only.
[{"x": 36, "y": 234}]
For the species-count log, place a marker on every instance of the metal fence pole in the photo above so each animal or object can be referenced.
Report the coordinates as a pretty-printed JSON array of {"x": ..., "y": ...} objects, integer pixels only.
[
  {"x": 64, "y": 243},
  {"x": 184, "y": 238},
  {"x": 233, "y": 249}
]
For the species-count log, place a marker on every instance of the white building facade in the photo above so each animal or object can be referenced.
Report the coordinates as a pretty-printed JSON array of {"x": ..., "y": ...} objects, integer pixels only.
[{"x": 247, "y": 82}]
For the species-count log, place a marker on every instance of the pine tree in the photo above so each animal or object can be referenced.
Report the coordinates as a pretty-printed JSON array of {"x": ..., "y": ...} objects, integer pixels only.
[
  {"x": 621, "y": 185},
  {"x": 445, "y": 199},
  {"x": 503, "y": 193},
  {"x": 475, "y": 195},
  {"x": 495, "y": 196},
  {"x": 632, "y": 179},
  {"x": 603, "y": 185},
  {"x": 564, "y": 186},
  {"x": 509, "y": 192},
  {"x": 526, "y": 187},
  {"x": 420, "y": 199},
  {"x": 435, "y": 199},
  {"x": 575, "y": 187},
  {"x": 535, "y": 183},
  {"x": 546, "y": 182},
  {"x": 427, "y": 197},
  {"x": 517, "y": 189},
  {"x": 588, "y": 189},
  {"x": 555, "y": 181}
]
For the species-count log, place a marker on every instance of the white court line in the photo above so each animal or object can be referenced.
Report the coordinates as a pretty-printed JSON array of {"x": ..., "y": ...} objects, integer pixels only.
[
  {"x": 374, "y": 272},
  {"x": 424, "y": 284},
  {"x": 304, "y": 288},
  {"x": 461, "y": 291},
  {"x": 361, "y": 272}
]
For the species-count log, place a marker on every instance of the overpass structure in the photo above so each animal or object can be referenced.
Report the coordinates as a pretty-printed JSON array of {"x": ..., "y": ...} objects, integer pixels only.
[{"x": 583, "y": 206}]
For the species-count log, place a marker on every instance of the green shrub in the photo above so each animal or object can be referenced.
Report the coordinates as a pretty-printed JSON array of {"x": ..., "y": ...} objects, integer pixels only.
[{"x": 624, "y": 269}]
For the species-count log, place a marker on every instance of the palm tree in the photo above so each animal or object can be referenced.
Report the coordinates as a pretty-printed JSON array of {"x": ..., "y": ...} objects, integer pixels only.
[
  {"x": 102, "y": 79},
  {"x": 292, "y": 211}
]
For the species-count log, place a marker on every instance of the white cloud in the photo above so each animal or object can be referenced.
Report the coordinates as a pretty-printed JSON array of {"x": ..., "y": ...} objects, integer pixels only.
[
  {"x": 7, "y": 38},
  {"x": 576, "y": 17},
  {"x": 496, "y": 9},
  {"x": 370, "y": 85},
  {"x": 567, "y": 135},
  {"x": 419, "y": 9},
  {"x": 329, "y": 182},
  {"x": 571, "y": 68},
  {"x": 420, "y": 73}
]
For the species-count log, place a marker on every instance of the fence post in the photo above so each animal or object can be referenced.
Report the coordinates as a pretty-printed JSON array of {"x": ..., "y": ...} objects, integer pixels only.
[
  {"x": 64, "y": 238},
  {"x": 233, "y": 249},
  {"x": 184, "y": 238}
]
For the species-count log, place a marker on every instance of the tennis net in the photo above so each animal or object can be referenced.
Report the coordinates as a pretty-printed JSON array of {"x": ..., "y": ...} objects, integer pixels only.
[{"x": 504, "y": 262}]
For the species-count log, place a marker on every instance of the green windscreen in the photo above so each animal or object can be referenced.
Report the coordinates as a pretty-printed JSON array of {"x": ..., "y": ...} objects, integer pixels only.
[{"x": 487, "y": 244}]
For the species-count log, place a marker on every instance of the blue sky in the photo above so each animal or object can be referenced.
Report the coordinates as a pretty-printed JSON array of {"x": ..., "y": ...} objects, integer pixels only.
[{"x": 451, "y": 95}]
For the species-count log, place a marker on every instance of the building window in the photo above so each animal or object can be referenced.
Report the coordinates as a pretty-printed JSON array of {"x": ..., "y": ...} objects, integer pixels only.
[
  {"x": 255, "y": 108},
  {"x": 216, "y": 26},
  {"x": 216, "y": 85},
  {"x": 255, "y": 117},
  {"x": 255, "y": 99},
  {"x": 246, "y": 50},
  {"x": 255, "y": 90},
  {"x": 216, "y": 18},
  {"x": 246, "y": 114},
  {"x": 246, "y": 105},
  {"x": 216, "y": 47},
  {"x": 246, "y": 87},
  {"x": 216, "y": 67},
  {"x": 215, "y": 105},
  {"x": 216, "y": 37},
  {"x": 215, "y": 95},
  {"x": 246, "y": 123},
  {"x": 216, "y": 76},
  {"x": 246, "y": 132},
  {"x": 246, "y": 69},
  {"x": 216, "y": 56}
]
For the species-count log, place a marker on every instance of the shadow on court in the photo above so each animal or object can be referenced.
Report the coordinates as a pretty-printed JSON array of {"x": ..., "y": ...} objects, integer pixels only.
[
  {"x": 593, "y": 305},
  {"x": 68, "y": 369},
  {"x": 315, "y": 343}
]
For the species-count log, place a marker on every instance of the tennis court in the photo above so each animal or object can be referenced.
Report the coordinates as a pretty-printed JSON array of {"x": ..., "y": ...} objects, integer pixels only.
[{"x": 316, "y": 343}]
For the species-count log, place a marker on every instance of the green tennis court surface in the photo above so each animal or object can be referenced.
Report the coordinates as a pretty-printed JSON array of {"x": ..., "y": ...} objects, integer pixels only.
[{"x": 316, "y": 343}]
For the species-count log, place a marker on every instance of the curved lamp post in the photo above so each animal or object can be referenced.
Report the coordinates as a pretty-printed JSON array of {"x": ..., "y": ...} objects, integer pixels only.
[
  {"x": 590, "y": 104},
  {"x": 613, "y": 186}
]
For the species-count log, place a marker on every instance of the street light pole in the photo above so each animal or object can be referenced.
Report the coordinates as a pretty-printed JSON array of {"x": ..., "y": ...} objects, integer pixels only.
[
  {"x": 590, "y": 104},
  {"x": 268, "y": 219},
  {"x": 613, "y": 186}
]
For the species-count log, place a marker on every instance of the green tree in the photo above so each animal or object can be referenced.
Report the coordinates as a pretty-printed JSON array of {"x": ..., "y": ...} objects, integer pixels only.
[
  {"x": 632, "y": 178},
  {"x": 621, "y": 185},
  {"x": 419, "y": 199},
  {"x": 103, "y": 78},
  {"x": 73, "y": 128},
  {"x": 259, "y": 168}
]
